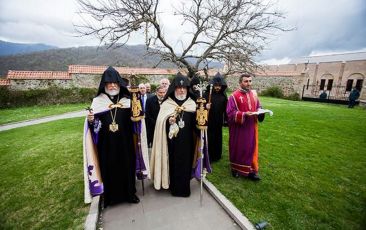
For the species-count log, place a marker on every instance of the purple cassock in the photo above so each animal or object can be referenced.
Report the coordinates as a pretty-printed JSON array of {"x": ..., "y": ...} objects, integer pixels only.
[{"x": 243, "y": 132}]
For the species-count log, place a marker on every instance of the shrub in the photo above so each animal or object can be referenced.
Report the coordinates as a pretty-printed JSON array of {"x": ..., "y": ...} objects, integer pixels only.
[
  {"x": 153, "y": 87},
  {"x": 293, "y": 97},
  {"x": 273, "y": 91},
  {"x": 50, "y": 96}
]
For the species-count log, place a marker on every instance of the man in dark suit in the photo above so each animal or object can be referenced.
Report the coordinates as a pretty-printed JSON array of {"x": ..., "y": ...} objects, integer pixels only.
[{"x": 151, "y": 112}]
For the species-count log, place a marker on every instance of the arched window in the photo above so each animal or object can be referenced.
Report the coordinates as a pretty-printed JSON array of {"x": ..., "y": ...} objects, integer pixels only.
[
  {"x": 326, "y": 81},
  {"x": 355, "y": 80}
]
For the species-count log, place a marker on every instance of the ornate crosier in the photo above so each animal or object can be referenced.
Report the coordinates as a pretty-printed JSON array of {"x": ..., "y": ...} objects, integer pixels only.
[
  {"x": 201, "y": 87},
  {"x": 202, "y": 112}
]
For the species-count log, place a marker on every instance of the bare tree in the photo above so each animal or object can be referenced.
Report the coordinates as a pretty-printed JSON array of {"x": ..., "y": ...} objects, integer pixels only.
[{"x": 229, "y": 31}]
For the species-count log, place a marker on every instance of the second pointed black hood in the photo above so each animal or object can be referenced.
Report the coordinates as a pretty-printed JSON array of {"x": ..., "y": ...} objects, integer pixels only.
[
  {"x": 179, "y": 81},
  {"x": 112, "y": 75}
]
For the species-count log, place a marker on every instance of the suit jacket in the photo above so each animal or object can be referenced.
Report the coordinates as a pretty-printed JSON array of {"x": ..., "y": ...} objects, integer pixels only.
[{"x": 151, "y": 113}]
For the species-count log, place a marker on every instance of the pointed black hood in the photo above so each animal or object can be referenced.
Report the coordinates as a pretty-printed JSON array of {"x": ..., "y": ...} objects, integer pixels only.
[
  {"x": 178, "y": 81},
  {"x": 112, "y": 75},
  {"x": 195, "y": 81},
  {"x": 218, "y": 79}
]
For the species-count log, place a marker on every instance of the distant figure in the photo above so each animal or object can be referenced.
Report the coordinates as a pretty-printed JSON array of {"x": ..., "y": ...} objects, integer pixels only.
[
  {"x": 353, "y": 96},
  {"x": 142, "y": 89},
  {"x": 148, "y": 88},
  {"x": 323, "y": 95},
  {"x": 165, "y": 83}
]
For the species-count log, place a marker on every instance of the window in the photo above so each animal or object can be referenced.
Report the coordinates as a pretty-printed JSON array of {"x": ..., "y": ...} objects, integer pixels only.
[
  {"x": 359, "y": 84},
  {"x": 322, "y": 84},
  {"x": 307, "y": 84},
  {"x": 330, "y": 84},
  {"x": 349, "y": 85}
]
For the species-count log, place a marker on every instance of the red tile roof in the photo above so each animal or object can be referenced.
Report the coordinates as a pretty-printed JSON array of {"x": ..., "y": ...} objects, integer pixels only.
[
  {"x": 44, "y": 75},
  {"x": 87, "y": 69},
  {"x": 4, "y": 82}
]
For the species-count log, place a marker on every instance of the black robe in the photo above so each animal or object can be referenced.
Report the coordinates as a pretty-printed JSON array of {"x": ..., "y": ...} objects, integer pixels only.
[
  {"x": 181, "y": 151},
  {"x": 117, "y": 157},
  {"x": 217, "y": 117},
  {"x": 151, "y": 113}
]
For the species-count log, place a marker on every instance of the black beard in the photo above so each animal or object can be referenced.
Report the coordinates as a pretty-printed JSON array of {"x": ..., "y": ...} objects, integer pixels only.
[{"x": 245, "y": 90}]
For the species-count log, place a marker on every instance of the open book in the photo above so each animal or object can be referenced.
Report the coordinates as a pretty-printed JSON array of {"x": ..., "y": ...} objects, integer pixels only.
[{"x": 260, "y": 111}]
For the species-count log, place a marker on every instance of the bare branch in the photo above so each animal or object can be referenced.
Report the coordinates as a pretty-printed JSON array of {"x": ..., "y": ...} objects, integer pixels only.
[{"x": 229, "y": 31}]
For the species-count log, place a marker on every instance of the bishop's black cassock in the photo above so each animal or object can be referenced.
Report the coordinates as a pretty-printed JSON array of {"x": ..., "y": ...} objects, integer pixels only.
[{"x": 115, "y": 151}]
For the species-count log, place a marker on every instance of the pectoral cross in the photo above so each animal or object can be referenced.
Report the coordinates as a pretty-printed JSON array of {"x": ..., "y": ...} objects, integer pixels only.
[{"x": 241, "y": 99}]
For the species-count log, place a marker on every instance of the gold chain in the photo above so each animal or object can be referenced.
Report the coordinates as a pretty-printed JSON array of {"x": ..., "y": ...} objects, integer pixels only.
[{"x": 114, "y": 126}]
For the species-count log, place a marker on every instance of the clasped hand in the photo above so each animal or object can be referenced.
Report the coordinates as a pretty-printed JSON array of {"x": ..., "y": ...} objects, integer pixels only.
[
  {"x": 172, "y": 120},
  {"x": 90, "y": 116}
]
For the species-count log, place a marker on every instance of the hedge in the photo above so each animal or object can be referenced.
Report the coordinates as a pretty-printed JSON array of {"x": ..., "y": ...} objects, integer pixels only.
[{"x": 51, "y": 96}]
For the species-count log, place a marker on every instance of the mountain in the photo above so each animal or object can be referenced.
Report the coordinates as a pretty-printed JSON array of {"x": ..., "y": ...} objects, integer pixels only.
[
  {"x": 9, "y": 48},
  {"x": 60, "y": 59}
]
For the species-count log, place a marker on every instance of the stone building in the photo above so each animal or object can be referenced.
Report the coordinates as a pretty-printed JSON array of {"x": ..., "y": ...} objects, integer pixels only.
[{"x": 308, "y": 76}]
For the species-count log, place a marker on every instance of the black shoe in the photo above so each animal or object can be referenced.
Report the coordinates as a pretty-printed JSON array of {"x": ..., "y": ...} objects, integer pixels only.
[
  {"x": 234, "y": 173},
  {"x": 134, "y": 200},
  {"x": 254, "y": 176}
]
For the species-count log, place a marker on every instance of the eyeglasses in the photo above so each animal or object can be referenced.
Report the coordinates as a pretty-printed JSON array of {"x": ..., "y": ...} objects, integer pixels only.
[{"x": 246, "y": 81}]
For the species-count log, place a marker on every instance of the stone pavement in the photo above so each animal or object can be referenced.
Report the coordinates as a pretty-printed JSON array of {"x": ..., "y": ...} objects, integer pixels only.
[{"x": 160, "y": 210}]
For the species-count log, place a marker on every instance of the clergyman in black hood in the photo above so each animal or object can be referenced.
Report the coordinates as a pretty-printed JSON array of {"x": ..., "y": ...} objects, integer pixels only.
[
  {"x": 217, "y": 116},
  {"x": 174, "y": 139},
  {"x": 109, "y": 135}
]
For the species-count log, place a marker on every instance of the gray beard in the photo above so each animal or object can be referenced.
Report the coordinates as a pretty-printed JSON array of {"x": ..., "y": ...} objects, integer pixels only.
[
  {"x": 112, "y": 92},
  {"x": 180, "y": 97}
]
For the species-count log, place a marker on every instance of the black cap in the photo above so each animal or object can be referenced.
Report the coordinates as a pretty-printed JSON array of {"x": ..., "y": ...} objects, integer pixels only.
[
  {"x": 111, "y": 75},
  {"x": 218, "y": 79},
  {"x": 179, "y": 81}
]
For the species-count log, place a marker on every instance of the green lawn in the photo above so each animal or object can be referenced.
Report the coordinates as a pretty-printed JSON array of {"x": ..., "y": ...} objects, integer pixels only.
[
  {"x": 313, "y": 167},
  {"x": 27, "y": 113},
  {"x": 41, "y": 176},
  {"x": 312, "y": 164}
]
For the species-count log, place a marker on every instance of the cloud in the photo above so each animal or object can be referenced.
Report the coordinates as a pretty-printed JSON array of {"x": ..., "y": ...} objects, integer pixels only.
[
  {"x": 40, "y": 21},
  {"x": 274, "y": 61},
  {"x": 325, "y": 25},
  {"x": 321, "y": 26}
]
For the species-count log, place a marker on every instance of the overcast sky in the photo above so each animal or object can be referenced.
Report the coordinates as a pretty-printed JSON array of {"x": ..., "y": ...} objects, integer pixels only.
[{"x": 322, "y": 26}]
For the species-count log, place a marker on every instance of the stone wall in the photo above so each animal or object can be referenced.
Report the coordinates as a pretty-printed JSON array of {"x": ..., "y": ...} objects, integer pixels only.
[
  {"x": 289, "y": 84},
  {"x": 27, "y": 84},
  {"x": 77, "y": 81},
  {"x": 86, "y": 80},
  {"x": 155, "y": 79}
]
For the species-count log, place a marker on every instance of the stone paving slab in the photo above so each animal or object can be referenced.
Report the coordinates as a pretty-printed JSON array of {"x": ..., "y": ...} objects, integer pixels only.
[{"x": 160, "y": 210}]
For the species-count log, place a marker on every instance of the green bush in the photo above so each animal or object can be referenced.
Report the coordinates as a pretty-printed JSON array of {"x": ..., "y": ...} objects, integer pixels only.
[
  {"x": 51, "y": 96},
  {"x": 293, "y": 97},
  {"x": 153, "y": 87},
  {"x": 273, "y": 91}
]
